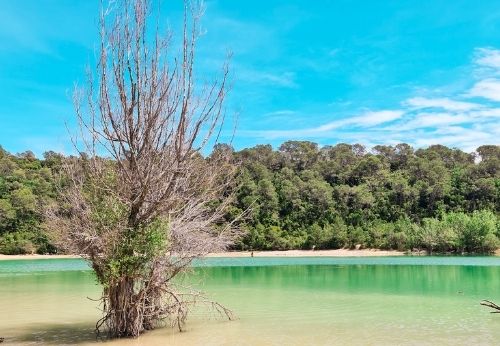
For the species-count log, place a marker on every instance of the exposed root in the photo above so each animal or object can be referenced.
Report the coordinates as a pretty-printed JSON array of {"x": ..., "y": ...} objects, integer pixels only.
[{"x": 128, "y": 313}]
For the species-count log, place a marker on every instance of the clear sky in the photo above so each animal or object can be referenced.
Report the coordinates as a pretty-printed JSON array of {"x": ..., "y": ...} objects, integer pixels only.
[{"x": 421, "y": 72}]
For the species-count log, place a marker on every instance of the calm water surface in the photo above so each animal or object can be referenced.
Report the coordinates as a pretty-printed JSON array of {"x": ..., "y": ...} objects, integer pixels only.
[{"x": 279, "y": 301}]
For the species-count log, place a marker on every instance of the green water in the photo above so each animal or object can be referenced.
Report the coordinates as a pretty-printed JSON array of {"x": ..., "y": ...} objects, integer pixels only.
[{"x": 278, "y": 301}]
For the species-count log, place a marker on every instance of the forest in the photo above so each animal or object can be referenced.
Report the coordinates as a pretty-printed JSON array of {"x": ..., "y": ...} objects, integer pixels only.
[{"x": 305, "y": 196}]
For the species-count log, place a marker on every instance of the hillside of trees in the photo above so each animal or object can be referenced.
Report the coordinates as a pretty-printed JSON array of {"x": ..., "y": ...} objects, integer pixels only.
[{"x": 303, "y": 196}]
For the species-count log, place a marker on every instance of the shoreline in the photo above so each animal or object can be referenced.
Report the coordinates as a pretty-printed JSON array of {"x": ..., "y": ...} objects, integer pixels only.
[
  {"x": 311, "y": 253},
  {"x": 239, "y": 254},
  {"x": 35, "y": 256},
  {"x": 273, "y": 253}
]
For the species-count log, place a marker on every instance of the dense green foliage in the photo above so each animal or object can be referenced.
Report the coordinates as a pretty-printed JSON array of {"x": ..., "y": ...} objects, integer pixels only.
[
  {"x": 392, "y": 197},
  {"x": 26, "y": 184},
  {"x": 302, "y": 196}
]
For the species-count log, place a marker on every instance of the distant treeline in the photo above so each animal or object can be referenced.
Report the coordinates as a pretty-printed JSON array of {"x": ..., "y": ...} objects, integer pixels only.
[{"x": 302, "y": 196}]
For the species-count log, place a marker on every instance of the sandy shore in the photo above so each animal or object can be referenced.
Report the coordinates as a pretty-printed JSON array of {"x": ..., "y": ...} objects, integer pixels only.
[
  {"x": 31, "y": 257},
  {"x": 289, "y": 253},
  {"x": 310, "y": 253}
]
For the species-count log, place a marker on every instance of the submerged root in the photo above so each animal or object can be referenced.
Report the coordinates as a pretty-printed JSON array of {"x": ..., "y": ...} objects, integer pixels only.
[{"x": 128, "y": 312}]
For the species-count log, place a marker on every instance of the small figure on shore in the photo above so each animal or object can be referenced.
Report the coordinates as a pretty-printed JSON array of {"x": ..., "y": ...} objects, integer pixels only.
[
  {"x": 1, "y": 340},
  {"x": 251, "y": 254}
]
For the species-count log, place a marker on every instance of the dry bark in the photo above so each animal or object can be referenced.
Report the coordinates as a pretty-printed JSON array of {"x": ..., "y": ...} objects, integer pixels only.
[
  {"x": 492, "y": 305},
  {"x": 141, "y": 202}
]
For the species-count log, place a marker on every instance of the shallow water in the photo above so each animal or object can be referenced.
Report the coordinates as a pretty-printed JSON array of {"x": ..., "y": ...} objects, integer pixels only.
[{"x": 279, "y": 301}]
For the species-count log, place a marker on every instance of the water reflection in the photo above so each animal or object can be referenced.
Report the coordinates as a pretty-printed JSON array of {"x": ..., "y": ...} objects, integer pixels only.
[
  {"x": 56, "y": 334},
  {"x": 406, "y": 280}
]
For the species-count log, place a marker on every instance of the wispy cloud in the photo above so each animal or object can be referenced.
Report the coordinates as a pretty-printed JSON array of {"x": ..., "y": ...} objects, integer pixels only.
[
  {"x": 17, "y": 34},
  {"x": 423, "y": 120},
  {"x": 366, "y": 120},
  {"x": 281, "y": 112},
  {"x": 281, "y": 79},
  {"x": 442, "y": 103},
  {"x": 431, "y": 120}
]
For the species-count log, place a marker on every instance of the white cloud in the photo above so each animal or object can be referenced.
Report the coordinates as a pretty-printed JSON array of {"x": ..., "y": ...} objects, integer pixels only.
[
  {"x": 486, "y": 113},
  {"x": 487, "y": 65},
  {"x": 442, "y": 103},
  {"x": 488, "y": 57},
  {"x": 487, "y": 88}
]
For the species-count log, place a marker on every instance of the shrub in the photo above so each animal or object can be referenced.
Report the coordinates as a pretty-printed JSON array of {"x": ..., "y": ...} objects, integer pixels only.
[{"x": 18, "y": 243}]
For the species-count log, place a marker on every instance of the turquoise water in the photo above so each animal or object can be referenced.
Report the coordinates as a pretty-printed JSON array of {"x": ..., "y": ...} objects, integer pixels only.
[{"x": 278, "y": 301}]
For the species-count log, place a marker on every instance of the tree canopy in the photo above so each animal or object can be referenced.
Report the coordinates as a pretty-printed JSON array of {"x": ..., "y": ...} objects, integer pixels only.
[{"x": 303, "y": 195}]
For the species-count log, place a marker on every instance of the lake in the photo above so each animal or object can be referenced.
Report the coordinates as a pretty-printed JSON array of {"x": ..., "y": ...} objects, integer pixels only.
[{"x": 278, "y": 301}]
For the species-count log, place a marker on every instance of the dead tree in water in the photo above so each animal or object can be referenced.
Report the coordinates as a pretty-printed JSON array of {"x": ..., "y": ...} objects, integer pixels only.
[
  {"x": 142, "y": 202},
  {"x": 492, "y": 305}
]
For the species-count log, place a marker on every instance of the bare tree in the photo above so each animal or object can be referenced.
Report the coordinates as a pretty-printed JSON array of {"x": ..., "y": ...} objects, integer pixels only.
[{"x": 142, "y": 202}]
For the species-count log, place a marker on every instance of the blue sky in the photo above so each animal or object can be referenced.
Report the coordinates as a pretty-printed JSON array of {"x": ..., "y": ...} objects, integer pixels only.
[{"x": 370, "y": 72}]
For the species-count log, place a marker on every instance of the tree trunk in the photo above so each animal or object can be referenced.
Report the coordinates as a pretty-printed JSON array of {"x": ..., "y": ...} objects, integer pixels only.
[{"x": 126, "y": 315}]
